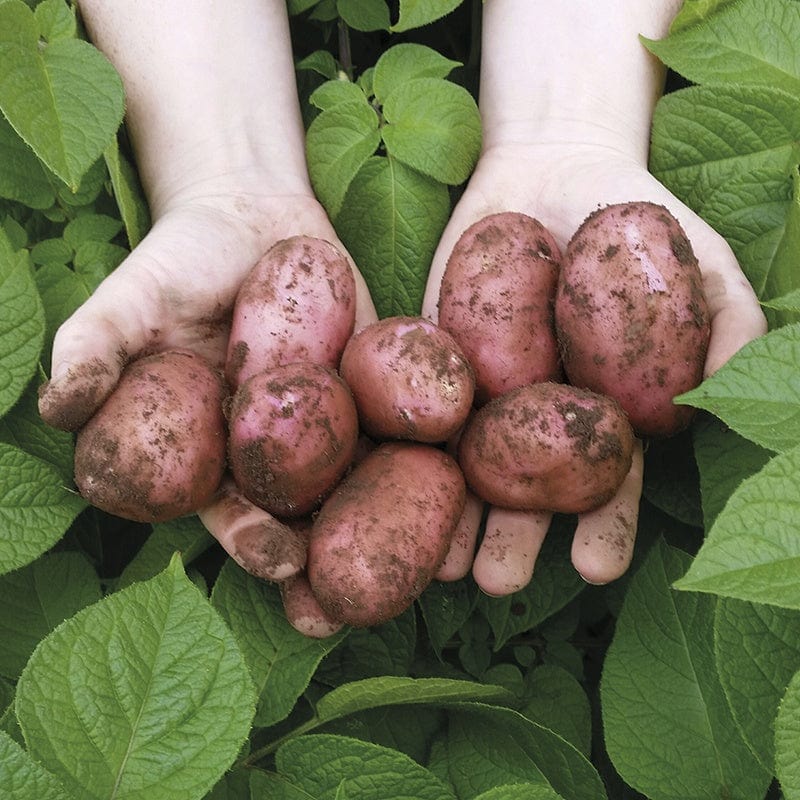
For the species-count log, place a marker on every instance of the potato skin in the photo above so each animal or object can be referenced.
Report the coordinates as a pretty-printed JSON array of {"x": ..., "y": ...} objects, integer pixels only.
[
  {"x": 380, "y": 537},
  {"x": 547, "y": 447},
  {"x": 296, "y": 304},
  {"x": 293, "y": 434},
  {"x": 410, "y": 380},
  {"x": 631, "y": 316},
  {"x": 496, "y": 300},
  {"x": 155, "y": 449}
]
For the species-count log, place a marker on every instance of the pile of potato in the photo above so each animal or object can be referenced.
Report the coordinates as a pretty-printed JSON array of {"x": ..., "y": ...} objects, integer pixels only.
[{"x": 364, "y": 446}]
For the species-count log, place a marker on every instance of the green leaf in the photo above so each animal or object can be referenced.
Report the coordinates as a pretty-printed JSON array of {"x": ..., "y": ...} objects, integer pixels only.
[
  {"x": 95, "y": 261},
  {"x": 405, "y": 62},
  {"x": 787, "y": 741},
  {"x": 35, "y": 507},
  {"x": 704, "y": 136},
  {"x": 128, "y": 194},
  {"x": 555, "y": 584},
  {"x": 752, "y": 211},
  {"x": 51, "y": 251},
  {"x": 445, "y": 608},
  {"x": 64, "y": 99},
  {"x": 387, "y": 691},
  {"x": 338, "y": 143},
  {"x": 757, "y": 652},
  {"x": 694, "y": 11},
  {"x": 281, "y": 660},
  {"x": 23, "y": 428},
  {"x": 320, "y": 61},
  {"x": 757, "y": 392},
  {"x": 724, "y": 460},
  {"x": 22, "y": 323},
  {"x": 36, "y": 598},
  {"x": 416, "y": 13},
  {"x": 386, "y": 649},
  {"x": 22, "y": 778},
  {"x": 143, "y": 695},
  {"x": 365, "y": 15},
  {"x": 556, "y": 700},
  {"x": 744, "y": 43},
  {"x": 185, "y": 535},
  {"x": 519, "y": 791},
  {"x": 335, "y": 93},
  {"x": 488, "y": 746},
  {"x": 22, "y": 176},
  {"x": 91, "y": 228},
  {"x": 56, "y": 20},
  {"x": 62, "y": 291},
  {"x": 787, "y": 302},
  {"x": 390, "y": 222},
  {"x": 753, "y": 550},
  {"x": 668, "y": 728},
  {"x": 320, "y": 764},
  {"x": 434, "y": 127},
  {"x": 299, "y": 6}
]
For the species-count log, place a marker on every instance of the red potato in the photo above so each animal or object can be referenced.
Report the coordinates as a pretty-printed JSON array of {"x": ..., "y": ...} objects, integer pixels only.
[
  {"x": 631, "y": 315},
  {"x": 497, "y": 299},
  {"x": 155, "y": 450},
  {"x": 298, "y": 303},
  {"x": 547, "y": 447},
  {"x": 410, "y": 380},
  {"x": 293, "y": 434},
  {"x": 380, "y": 537}
]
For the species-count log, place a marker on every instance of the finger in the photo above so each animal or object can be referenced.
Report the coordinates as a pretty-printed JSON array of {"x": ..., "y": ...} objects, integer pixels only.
[
  {"x": 602, "y": 546},
  {"x": 258, "y": 542},
  {"x": 507, "y": 555},
  {"x": 302, "y": 610},
  {"x": 459, "y": 557}
]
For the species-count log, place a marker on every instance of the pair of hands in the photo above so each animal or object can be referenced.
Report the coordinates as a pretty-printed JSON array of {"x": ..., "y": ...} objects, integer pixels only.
[{"x": 177, "y": 289}]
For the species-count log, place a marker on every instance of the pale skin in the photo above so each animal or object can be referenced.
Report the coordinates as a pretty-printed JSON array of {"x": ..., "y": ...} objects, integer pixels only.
[
  {"x": 567, "y": 93},
  {"x": 214, "y": 118}
]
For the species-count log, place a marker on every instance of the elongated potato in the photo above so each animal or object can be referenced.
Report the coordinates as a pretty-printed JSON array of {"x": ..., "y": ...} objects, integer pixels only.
[
  {"x": 547, "y": 447},
  {"x": 293, "y": 434},
  {"x": 155, "y": 449},
  {"x": 410, "y": 380},
  {"x": 631, "y": 316},
  {"x": 497, "y": 299},
  {"x": 297, "y": 304},
  {"x": 380, "y": 537}
]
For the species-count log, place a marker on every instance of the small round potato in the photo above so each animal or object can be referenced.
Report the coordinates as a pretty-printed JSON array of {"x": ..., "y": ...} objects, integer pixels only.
[
  {"x": 497, "y": 299},
  {"x": 380, "y": 537},
  {"x": 298, "y": 303},
  {"x": 155, "y": 450},
  {"x": 409, "y": 378},
  {"x": 631, "y": 316},
  {"x": 547, "y": 447},
  {"x": 293, "y": 434}
]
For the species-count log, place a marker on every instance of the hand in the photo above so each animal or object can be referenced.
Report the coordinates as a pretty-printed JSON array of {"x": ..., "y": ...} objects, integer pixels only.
[
  {"x": 560, "y": 184},
  {"x": 176, "y": 289}
]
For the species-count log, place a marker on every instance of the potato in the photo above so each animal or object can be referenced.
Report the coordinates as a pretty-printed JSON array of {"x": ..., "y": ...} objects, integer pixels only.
[
  {"x": 631, "y": 316},
  {"x": 497, "y": 299},
  {"x": 155, "y": 449},
  {"x": 293, "y": 434},
  {"x": 547, "y": 447},
  {"x": 409, "y": 378},
  {"x": 296, "y": 304},
  {"x": 380, "y": 537}
]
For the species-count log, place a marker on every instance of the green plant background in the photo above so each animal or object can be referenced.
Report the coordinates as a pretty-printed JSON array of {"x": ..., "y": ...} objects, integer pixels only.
[{"x": 137, "y": 661}]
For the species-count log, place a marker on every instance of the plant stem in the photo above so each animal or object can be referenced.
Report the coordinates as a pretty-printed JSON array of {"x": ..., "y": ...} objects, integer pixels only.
[
  {"x": 251, "y": 759},
  {"x": 345, "y": 53}
]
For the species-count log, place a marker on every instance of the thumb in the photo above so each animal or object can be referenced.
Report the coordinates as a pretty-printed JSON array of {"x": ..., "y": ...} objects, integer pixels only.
[{"x": 90, "y": 350}]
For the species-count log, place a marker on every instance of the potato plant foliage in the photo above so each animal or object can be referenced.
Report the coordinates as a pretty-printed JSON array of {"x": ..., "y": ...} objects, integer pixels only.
[{"x": 137, "y": 662}]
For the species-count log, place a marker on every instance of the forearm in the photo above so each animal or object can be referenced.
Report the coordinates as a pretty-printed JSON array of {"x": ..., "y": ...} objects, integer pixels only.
[
  {"x": 571, "y": 70},
  {"x": 210, "y": 90}
]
